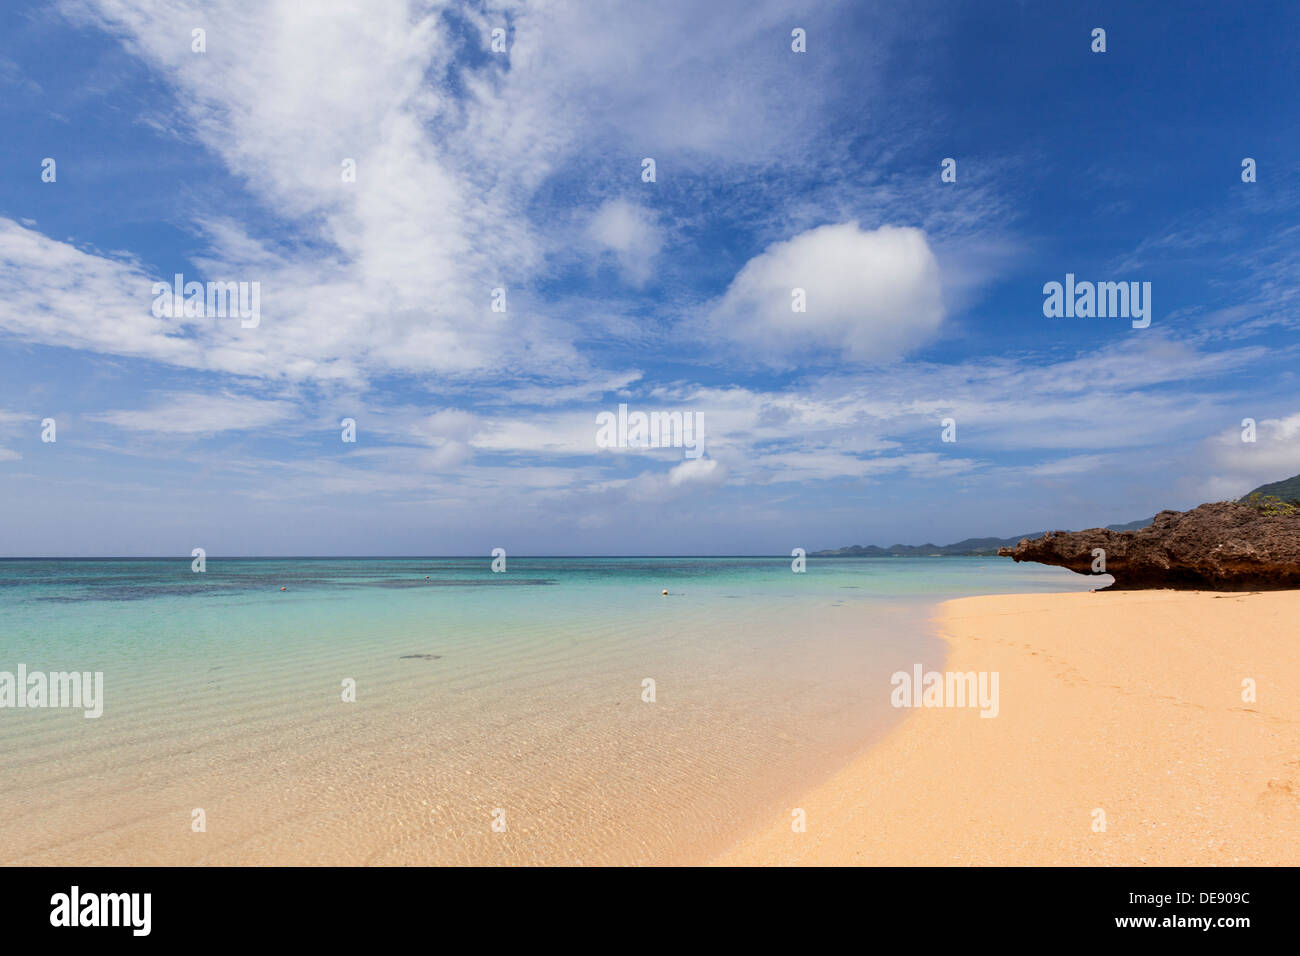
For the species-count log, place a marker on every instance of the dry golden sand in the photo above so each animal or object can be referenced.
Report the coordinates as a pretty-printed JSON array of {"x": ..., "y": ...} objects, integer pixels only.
[{"x": 1130, "y": 702}]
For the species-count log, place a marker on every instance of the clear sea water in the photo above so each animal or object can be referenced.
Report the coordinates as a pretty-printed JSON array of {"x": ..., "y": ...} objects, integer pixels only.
[{"x": 476, "y": 692}]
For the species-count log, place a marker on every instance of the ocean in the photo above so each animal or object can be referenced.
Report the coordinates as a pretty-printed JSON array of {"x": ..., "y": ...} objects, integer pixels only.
[{"x": 431, "y": 711}]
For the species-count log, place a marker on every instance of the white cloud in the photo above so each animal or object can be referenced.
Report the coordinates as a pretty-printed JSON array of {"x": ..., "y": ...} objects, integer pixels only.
[
  {"x": 52, "y": 292},
  {"x": 1071, "y": 465},
  {"x": 696, "y": 471},
  {"x": 10, "y": 424},
  {"x": 647, "y": 76},
  {"x": 630, "y": 233},
  {"x": 871, "y": 296},
  {"x": 393, "y": 272},
  {"x": 698, "y": 476},
  {"x": 195, "y": 413},
  {"x": 1238, "y": 466}
]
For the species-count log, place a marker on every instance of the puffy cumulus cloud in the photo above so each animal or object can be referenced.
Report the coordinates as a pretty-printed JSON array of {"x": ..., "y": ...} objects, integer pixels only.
[
  {"x": 1237, "y": 466},
  {"x": 871, "y": 296},
  {"x": 693, "y": 476},
  {"x": 452, "y": 423},
  {"x": 628, "y": 232},
  {"x": 697, "y": 471}
]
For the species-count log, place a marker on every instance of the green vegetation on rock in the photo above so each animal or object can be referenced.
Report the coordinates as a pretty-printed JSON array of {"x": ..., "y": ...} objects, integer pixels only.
[{"x": 1270, "y": 504}]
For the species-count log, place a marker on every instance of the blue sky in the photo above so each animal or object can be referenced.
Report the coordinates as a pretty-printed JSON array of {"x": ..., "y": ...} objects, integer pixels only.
[{"x": 522, "y": 170}]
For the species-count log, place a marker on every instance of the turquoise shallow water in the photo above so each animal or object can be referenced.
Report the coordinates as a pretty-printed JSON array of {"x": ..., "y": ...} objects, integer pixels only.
[
  {"x": 160, "y": 611},
  {"x": 475, "y": 691}
]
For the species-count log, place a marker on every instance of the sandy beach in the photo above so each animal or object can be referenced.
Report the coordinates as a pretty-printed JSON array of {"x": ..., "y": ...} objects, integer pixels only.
[{"x": 1128, "y": 703}]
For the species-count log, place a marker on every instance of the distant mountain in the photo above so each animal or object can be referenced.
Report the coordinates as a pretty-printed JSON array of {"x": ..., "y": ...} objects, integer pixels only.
[
  {"x": 970, "y": 547},
  {"x": 1288, "y": 489}
]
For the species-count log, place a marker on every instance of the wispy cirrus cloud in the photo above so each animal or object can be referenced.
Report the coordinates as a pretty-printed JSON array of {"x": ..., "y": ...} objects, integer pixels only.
[{"x": 199, "y": 413}]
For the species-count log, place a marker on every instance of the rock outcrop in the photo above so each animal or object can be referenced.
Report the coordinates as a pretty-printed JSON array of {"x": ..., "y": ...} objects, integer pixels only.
[{"x": 1224, "y": 546}]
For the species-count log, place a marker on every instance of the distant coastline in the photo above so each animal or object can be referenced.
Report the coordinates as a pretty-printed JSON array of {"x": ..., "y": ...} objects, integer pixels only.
[
  {"x": 969, "y": 547},
  {"x": 1286, "y": 490}
]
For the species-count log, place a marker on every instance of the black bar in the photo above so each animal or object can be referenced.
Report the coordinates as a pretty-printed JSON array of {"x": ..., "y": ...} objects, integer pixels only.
[{"x": 308, "y": 906}]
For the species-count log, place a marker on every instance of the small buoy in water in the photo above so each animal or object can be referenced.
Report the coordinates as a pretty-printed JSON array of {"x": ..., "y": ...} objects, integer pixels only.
[
  {"x": 664, "y": 592},
  {"x": 284, "y": 589}
]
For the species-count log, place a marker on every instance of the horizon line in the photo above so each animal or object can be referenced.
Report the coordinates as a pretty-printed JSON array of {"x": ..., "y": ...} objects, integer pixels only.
[{"x": 412, "y": 557}]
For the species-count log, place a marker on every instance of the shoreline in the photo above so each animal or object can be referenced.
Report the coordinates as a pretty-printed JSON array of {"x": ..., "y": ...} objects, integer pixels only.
[{"x": 1129, "y": 703}]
